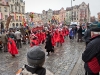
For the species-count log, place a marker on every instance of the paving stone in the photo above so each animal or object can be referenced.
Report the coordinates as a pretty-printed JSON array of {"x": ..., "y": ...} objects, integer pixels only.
[{"x": 60, "y": 63}]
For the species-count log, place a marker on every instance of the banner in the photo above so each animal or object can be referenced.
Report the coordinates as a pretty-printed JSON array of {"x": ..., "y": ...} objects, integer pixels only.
[
  {"x": 8, "y": 21},
  {"x": 15, "y": 16},
  {"x": 21, "y": 17}
]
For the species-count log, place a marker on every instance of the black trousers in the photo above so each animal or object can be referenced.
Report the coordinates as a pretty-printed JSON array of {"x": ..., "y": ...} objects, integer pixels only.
[{"x": 18, "y": 42}]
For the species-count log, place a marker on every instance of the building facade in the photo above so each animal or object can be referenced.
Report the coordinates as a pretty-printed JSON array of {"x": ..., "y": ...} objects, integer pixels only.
[
  {"x": 17, "y": 11},
  {"x": 78, "y": 13},
  {"x": 99, "y": 16},
  {"x": 15, "y": 8},
  {"x": 4, "y": 12},
  {"x": 62, "y": 15},
  {"x": 84, "y": 12},
  {"x": 56, "y": 15},
  {"x": 44, "y": 16},
  {"x": 49, "y": 14},
  {"x": 68, "y": 16}
]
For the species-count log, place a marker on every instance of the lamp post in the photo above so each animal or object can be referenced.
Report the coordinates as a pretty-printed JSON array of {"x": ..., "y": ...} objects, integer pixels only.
[{"x": 72, "y": 10}]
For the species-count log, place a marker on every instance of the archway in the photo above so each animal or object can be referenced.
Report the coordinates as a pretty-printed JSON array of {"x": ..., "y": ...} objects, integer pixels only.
[
  {"x": 20, "y": 24},
  {"x": 16, "y": 24},
  {"x": 13, "y": 25}
]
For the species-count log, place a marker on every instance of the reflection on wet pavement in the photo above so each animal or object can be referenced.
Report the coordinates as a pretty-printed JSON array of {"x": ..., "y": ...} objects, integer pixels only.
[{"x": 60, "y": 63}]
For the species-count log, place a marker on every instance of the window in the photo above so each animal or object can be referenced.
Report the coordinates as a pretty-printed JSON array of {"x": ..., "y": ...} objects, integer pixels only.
[
  {"x": 22, "y": 9},
  {"x": 20, "y": 24},
  {"x": 5, "y": 9},
  {"x": 16, "y": 24},
  {"x": 6, "y": 16},
  {"x": 11, "y": 8},
  {"x": 13, "y": 24},
  {"x": 15, "y": 8},
  {"x": 19, "y": 10},
  {"x": 19, "y": 18}
]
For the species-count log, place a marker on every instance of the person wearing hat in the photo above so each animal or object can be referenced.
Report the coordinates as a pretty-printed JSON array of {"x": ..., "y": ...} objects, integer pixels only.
[
  {"x": 87, "y": 35},
  {"x": 35, "y": 59},
  {"x": 91, "y": 55}
]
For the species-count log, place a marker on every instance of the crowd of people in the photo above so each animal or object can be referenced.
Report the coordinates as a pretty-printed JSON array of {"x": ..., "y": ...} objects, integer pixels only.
[{"x": 51, "y": 36}]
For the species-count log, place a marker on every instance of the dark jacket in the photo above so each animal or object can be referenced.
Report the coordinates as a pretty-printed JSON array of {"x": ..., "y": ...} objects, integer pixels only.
[
  {"x": 91, "y": 56},
  {"x": 80, "y": 30},
  {"x": 87, "y": 35},
  {"x": 48, "y": 45}
]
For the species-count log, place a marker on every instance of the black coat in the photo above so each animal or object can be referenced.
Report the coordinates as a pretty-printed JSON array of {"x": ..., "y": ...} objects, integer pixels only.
[
  {"x": 48, "y": 45},
  {"x": 92, "y": 50},
  {"x": 80, "y": 30}
]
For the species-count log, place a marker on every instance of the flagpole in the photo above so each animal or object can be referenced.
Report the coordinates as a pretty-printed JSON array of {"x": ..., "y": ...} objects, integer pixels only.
[{"x": 71, "y": 12}]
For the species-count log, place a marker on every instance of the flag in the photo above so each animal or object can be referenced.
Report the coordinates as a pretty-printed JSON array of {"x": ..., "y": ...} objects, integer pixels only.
[
  {"x": 8, "y": 21},
  {"x": 21, "y": 18},
  {"x": 24, "y": 22}
]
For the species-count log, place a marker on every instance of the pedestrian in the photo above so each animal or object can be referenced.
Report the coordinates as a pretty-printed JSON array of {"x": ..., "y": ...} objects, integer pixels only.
[
  {"x": 35, "y": 59},
  {"x": 11, "y": 35},
  {"x": 49, "y": 46},
  {"x": 12, "y": 49},
  {"x": 79, "y": 34},
  {"x": 91, "y": 55},
  {"x": 18, "y": 39},
  {"x": 83, "y": 31},
  {"x": 87, "y": 35},
  {"x": 71, "y": 33},
  {"x": 4, "y": 41},
  {"x": 75, "y": 31}
]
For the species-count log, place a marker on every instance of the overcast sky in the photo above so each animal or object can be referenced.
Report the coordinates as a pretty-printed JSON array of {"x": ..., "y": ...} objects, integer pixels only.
[{"x": 39, "y": 5}]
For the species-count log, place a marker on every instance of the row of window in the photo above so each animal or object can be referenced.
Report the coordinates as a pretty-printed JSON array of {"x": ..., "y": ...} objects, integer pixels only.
[
  {"x": 15, "y": 1},
  {"x": 16, "y": 24},
  {"x": 18, "y": 18},
  {"x": 17, "y": 8},
  {"x": 4, "y": 9}
]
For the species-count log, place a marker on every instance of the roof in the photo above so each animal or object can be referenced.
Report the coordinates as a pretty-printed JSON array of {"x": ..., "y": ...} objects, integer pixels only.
[{"x": 56, "y": 12}]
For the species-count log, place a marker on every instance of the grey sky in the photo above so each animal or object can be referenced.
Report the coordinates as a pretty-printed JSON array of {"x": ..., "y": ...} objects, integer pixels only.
[{"x": 39, "y": 5}]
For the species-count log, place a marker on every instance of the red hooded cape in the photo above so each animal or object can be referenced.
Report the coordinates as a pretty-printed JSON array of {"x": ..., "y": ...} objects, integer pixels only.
[{"x": 12, "y": 49}]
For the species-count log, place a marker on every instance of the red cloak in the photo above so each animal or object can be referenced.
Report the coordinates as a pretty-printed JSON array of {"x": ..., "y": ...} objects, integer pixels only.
[{"x": 12, "y": 49}]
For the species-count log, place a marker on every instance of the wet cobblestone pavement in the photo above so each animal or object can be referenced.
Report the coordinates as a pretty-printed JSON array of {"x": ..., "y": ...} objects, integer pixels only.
[
  {"x": 81, "y": 70},
  {"x": 61, "y": 62}
]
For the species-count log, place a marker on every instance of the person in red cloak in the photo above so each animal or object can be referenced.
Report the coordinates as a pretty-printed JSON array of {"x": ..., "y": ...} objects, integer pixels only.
[
  {"x": 12, "y": 49},
  {"x": 53, "y": 40},
  {"x": 38, "y": 34},
  {"x": 67, "y": 32},
  {"x": 61, "y": 38},
  {"x": 34, "y": 41},
  {"x": 43, "y": 36}
]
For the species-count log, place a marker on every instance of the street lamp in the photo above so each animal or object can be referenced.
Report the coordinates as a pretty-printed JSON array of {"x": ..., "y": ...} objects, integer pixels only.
[{"x": 72, "y": 10}]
